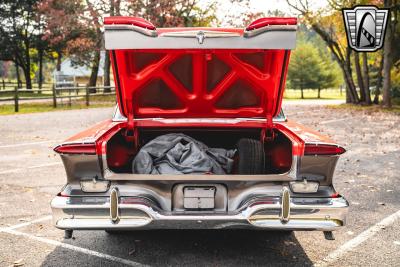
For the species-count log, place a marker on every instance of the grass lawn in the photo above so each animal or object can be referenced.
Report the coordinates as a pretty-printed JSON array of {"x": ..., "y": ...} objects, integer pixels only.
[
  {"x": 26, "y": 94},
  {"x": 48, "y": 93},
  {"x": 395, "y": 109},
  {"x": 313, "y": 94},
  {"x": 45, "y": 107}
]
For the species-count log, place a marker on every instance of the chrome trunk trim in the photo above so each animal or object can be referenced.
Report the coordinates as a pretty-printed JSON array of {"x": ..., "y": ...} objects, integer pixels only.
[
  {"x": 269, "y": 28},
  {"x": 109, "y": 175},
  {"x": 132, "y": 37},
  {"x": 119, "y": 27}
]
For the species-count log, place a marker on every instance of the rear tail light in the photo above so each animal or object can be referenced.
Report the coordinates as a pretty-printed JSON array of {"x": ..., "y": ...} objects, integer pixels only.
[
  {"x": 89, "y": 149},
  {"x": 335, "y": 195},
  {"x": 323, "y": 149},
  {"x": 63, "y": 194}
]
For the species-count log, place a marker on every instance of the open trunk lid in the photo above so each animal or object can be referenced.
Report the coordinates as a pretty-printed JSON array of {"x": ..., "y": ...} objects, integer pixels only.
[{"x": 200, "y": 72}]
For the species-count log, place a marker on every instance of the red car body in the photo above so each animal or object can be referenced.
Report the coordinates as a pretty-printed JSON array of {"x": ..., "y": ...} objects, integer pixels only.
[{"x": 204, "y": 81}]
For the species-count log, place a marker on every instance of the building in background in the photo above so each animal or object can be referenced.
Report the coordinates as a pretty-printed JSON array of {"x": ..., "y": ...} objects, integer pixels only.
[{"x": 72, "y": 75}]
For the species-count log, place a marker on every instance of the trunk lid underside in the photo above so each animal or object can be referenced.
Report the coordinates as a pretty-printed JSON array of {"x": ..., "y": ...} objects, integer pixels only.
[{"x": 203, "y": 80}]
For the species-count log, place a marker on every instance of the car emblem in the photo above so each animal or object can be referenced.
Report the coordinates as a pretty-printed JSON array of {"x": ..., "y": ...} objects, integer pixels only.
[
  {"x": 200, "y": 37},
  {"x": 365, "y": 27}
]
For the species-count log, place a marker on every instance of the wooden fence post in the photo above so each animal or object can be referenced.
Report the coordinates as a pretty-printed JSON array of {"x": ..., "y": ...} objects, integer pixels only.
[
  {"x": 4, "y": 85},
  {"x": 54, "y": 97},
  {"x": 70, "y": 100},
  {"x": 16, "y": 104},
  {"x": 87, "y": 96}
]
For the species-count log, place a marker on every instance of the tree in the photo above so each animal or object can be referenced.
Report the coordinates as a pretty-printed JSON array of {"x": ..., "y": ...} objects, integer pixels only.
[
  {"x": 365, "y": 71},
  {"x": 179, "y": 13},
  {"x": 64, "y": 30},
  {"x": 75, "y": 27},
  {"x": 311, "y": 68},
  {"x": 115, "y": 10},
  {"x": 328, "y": 28},
  {"x": 305, "y": 68},
  {"x": 329, "y": 77},
  {"x": 389, "y": 44},
  {"x": 18, "y": 26},
  {"x": 360, "y": 80},
  {"x": 377, "y": 69}
]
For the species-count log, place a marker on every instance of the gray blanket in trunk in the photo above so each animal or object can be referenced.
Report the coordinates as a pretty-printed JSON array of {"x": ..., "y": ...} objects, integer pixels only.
[{"x": 177, "y": 153}]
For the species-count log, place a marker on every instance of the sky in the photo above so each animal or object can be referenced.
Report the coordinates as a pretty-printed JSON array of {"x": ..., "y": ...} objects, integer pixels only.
[
  {"x": 265, "y": 5},
  {"x": 225, "y": 8}
]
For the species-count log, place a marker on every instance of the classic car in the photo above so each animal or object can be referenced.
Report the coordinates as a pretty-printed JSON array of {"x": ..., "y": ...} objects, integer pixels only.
[{"x": 198, "y": 138}]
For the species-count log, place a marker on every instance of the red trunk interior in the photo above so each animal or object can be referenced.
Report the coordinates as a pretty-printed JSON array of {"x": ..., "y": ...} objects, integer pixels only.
[{"x": 121, "y": 150}]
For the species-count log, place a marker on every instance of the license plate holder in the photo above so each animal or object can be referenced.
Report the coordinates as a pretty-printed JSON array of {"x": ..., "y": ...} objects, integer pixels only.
[{"x": 199, "y": 197}]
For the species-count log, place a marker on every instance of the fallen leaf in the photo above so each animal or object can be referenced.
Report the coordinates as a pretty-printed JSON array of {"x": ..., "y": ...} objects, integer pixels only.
[
  {"x": 19, "y": 262},
  {"x": 132, "y": 251},
  {"x": 287, "y": 243}
]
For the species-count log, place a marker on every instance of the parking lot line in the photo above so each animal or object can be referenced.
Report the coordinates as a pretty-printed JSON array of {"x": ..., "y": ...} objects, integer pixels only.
[
  {"x": 31, "y": 167},
  {"x": 73, "y": 248},
  {"x": 364, "y": 236},
  {"x": 20, "y": 225},
  {"x": 28, "y": 144},
  {"x": 334, "y": 120}
]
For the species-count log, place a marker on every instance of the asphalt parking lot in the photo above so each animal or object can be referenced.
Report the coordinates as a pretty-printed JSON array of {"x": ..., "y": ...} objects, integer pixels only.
[{"x": 368, "y": 175}]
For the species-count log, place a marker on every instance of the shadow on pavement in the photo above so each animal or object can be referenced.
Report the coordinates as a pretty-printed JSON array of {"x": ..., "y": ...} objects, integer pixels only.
[{"x": 186, "y": 248}]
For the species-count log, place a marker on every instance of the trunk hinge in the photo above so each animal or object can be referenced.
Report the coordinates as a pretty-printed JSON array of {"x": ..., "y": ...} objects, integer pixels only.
[
  {"x": 269, "y": 134},
  {"x": 131, "y": 122},
  {"x": 130, "y": 129}
]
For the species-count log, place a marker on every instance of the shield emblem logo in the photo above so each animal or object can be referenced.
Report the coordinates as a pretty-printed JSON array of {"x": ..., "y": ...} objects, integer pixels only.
[
  {"x": 365, "y": 27},
  {"x": 200, "y": 37}
]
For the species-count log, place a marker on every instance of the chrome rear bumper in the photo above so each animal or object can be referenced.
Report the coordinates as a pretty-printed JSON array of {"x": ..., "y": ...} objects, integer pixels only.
[{"x": 95, "y": 213}]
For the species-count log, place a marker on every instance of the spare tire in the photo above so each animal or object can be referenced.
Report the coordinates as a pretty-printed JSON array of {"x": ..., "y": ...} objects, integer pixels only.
[{"x": 251, "y": 156}]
